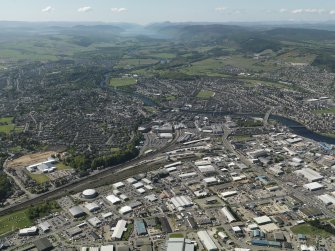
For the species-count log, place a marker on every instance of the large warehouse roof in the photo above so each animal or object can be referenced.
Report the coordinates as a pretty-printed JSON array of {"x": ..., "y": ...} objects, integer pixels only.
[
  {"x": 113, "y": 199},
  {"x": 207, "y": 241},
  {"x": 181, "y": 201},
  {"x": 313, "y": 186},
  {"x": 119, "y": 229},
  {"x": 309, "y": 174},
  {"x": 327, "y": 199},
  {"x": 76, "y": 211},
  {"x": 262, "y": 220},
  {"x": 228, "y": 214}
]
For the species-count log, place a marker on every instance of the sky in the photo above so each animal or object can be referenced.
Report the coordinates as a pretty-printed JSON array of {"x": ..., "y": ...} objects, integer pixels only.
[{"x": 149, "y": 11}]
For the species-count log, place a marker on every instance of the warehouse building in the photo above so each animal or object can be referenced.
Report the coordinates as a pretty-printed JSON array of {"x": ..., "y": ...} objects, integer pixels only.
[
  {"x": 262, "y": 220},
  {"x": 327, "y": 199},
  {"x": 228, "y": 214},
  {"x": 119, "y": 229},
  {"x": 179, "y": 244},
  {"x": 125, "y": 210},
  {"x": 28, "y": 231},
  {"x": 140, "y": 227},
  {"x": 207, "y": 169},
  {"x": 77, "y": 211},
  {"x": 309, "y": 174},
  {"x": 43, "y": 244},
  {"x": 92, "y": 207},
  {"x": 113, "y": 199},
  {"x": 314, "y": 186},
  {"x": 180, "y": 202},
  {"x": 95, "y": 222},
  {"x": 227, "y": 194},
  {"x": 118, "y": 185},
  {"x": 207, "y": 241}
]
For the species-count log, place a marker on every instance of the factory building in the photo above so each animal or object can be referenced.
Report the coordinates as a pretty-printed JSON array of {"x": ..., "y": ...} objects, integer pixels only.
[
  {"x": 28, "y": 231},
  {"x": 179, "y": 244},
  {"x": 113, "y": 199},
  {"x": 207, "y": 169},
  {"x": 314, "y": 186},
  {"x": 327, "y": 199},
  {"x": 119, "y": 229},
  {"x": 77, "y": 212},
  {"x": 207, "y": 241},
  {"x": 228, "y": 194},
  {"x": 262, "y": 220},
  {"x": 309, "y": 174},
  {"x": 125, "y": 210},
  {"x": 228, "y": 214},
  {"x": 180, "y": 202},
  {"x": 95, "y": 222},
  {"x": 92, "y": 207},
  {"x": 118, "y": 185},
  {"x": 140, "y": 227}
]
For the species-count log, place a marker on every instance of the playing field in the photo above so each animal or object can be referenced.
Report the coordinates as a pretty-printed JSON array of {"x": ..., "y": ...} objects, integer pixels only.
[
  {"x": 14, "y": 221},
  {"x": 205, "y": 94},
  {"x": 122, "y": 82}
]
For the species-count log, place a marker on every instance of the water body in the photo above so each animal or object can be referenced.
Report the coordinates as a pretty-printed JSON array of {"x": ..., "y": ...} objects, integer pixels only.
[{"x": 296, "y": 127}]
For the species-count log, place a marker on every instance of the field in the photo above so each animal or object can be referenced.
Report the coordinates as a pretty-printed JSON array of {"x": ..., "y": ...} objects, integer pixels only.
[
  {"x": 323, "y": 111},
  {"x": 7, "y": 125},
  {"x": 132, "y": 62},
  {"x": 122, "y": 82},
  {"x": 205, "y": 94},
  {"x": 309, "y": 230},
  {"x": 62, "y": 166},
  {"x": 240, "y": 138},
  {"x": 14, "y": 221},
  {"x": 295, "y": 56},
  {"x": 176, "y": 235},
  {"x": 39, "y": 178},
  {"x": 29, "y": 159}
]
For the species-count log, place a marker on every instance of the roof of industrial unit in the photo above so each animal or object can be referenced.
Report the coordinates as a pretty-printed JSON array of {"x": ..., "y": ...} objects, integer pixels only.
[
  {"x": 206, "y": 240},
  {"x": 119, "y": 229}
]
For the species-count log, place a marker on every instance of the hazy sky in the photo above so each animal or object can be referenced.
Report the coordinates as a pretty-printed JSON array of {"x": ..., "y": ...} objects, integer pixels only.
[{"x": 147, "y": 11}]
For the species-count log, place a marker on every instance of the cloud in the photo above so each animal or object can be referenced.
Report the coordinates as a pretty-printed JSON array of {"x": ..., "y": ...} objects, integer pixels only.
[
  {"x": 48, "y": 9},
  {"x": 283, "y": 10},
  {"x": 119, "y": 10},
  {"x": 332, "y": 12},
  {"x": 85, "y": 9},
  {"x": 310, "y": 11},
  {"x": 220, "y": 9}
]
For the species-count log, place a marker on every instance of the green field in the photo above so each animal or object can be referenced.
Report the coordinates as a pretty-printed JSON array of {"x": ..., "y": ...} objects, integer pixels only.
[
  {"x": 39, "y": 178},
  {"x": 205, "y": 94},
  {"x": 14, "y": 221},
  {"x": 176, "y": 235},
  {"x": 62, "y": 166},
  {"x": 7, "y": 125},
  {"x": 324, "y": 111},
  {"x": 122, "y": 82},
  {"x": 295, "y": 56},
  {"x": 240, "y": 138},
  {"x": 309, "y": 230}
]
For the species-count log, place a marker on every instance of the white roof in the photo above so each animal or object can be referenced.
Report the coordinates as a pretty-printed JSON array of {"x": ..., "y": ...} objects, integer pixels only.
[
  {"x": 45, "y": 226},
  {"x": 92, "y": 206},
  {"x": 106, "y": 215},
  {"x": 210, "y": 180},
  {"x": 149, "y": 187},
  {"x": 228, "y": 214},
  {"x": 119, "y": 229},
  {"x": 202, "y": 163},
  {"x": 173, "y": 164},
  {"x": 222, "y": 235},
  {"x": 113, "y": 199},
  {"x": 131, "y": 180},
  {"x": 94, "y": 221},
  {"x": 313, "y": 186},
  {"x": 206, "y": 240},
  {"x": 327, "y": 199},
  {"x": 28, "y": 230},
  {"x": 171, "y": 169},
  {"x": 125, "y": 209},
  {"x": 140, "y": 190},
  {"x": 118, "y": 185},
  {"x": 310, "y": 174},
  {"x": 181, "y": 201},
  {"x": 228, "y": 194},
  {"x": 107, "y": 248},
  {"x": 236, "y": 229},
  {"x": 145, "y": 180},
  {"x": 187, "y": 175},
  {"x": 138, "y": 185},
  {"x": 262, "y": 220},
  {"x": 124, "y": 197},
  {"x": 206, "y": 169}
]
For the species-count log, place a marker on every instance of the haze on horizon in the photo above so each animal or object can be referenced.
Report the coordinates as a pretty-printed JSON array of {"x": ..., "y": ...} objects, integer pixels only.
[{"x": 148, "y": 11}]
